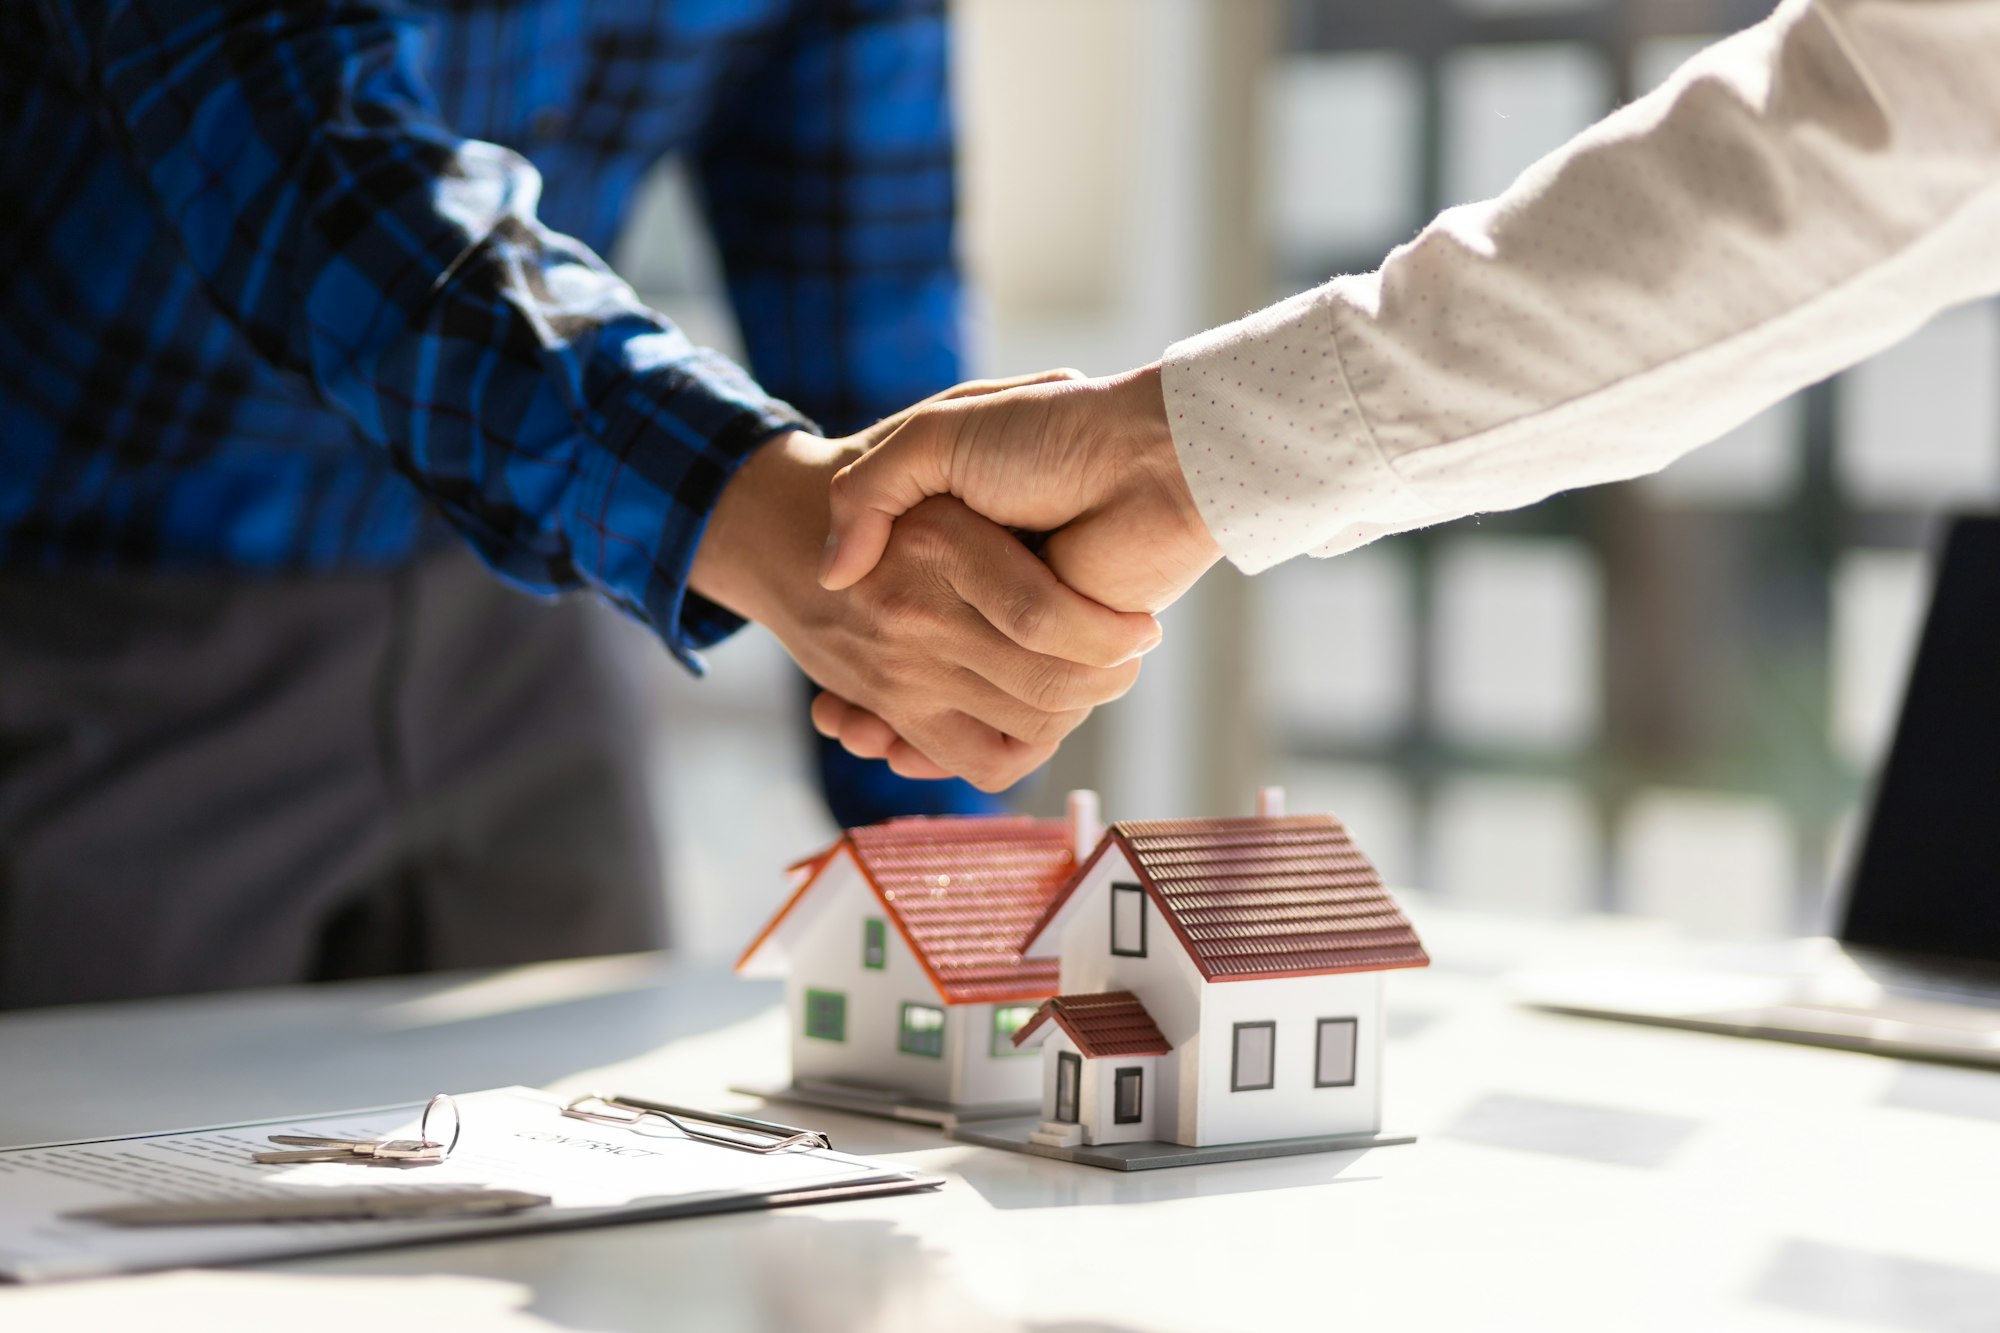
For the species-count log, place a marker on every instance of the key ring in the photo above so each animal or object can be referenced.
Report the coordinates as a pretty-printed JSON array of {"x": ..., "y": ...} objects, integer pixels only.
[{"x": 442, "y": 1101}]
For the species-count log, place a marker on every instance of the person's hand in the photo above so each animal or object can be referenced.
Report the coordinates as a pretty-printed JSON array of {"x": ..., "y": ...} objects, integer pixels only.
[
  {"x": 1089, "y": 461},
  {"x": 965, "y": 650}
]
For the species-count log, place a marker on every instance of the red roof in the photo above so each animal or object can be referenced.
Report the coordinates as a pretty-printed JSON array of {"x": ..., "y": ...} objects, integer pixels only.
[
  {"x": 1110, "y": 1023},
  {"x": 1253, "y": 898},
  {"x": 963, "y": 892}
]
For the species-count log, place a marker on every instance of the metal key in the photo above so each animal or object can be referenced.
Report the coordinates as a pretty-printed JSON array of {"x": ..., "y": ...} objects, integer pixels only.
[
  {"x": 421, "y": 1151},
  {"x": 382, "y": 1152}
]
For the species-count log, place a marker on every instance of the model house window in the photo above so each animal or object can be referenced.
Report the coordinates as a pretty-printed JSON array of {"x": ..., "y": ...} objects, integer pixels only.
[
  {"x": 874, "y": 943},
  {"x": 1128, "y": 921},
  {"x": 1333, "y": 1053},
  {"x": 1128, "y": 1097},
  {"x": 1007, "y": 1020},
  {"x": 922, "y": 1031},
  {"x": 1252, "y": 1067},
  {"x": 826, "y": 1015}
]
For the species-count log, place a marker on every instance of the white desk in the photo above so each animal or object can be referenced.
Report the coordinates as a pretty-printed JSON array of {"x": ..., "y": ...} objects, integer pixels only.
[{"x": 1571, "y": 1175}]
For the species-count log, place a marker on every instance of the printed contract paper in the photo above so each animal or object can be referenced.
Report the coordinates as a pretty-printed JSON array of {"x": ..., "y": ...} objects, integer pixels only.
[{"x": 513, "y": 1138}]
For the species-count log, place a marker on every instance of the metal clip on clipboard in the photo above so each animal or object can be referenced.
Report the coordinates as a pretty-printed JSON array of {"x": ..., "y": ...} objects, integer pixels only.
[{"x": 727, "y": 1131}]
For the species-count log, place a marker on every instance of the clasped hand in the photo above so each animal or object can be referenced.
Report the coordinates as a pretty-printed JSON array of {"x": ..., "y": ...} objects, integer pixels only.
[
  {"x": 1089, "y": 462},
  {"x": 960, "y": 652}
]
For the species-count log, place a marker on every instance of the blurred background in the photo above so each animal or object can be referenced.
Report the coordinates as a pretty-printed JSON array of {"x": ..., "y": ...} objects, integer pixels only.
[{"x": 1661, "y": 698}]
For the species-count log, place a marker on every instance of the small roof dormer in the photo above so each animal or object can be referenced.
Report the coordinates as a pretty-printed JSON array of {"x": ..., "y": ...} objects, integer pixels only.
[{"x": 1111, "y": 1024}]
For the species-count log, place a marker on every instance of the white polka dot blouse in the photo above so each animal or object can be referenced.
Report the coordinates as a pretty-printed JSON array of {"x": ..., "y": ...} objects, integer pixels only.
[{"x": 1793, "y": 200}]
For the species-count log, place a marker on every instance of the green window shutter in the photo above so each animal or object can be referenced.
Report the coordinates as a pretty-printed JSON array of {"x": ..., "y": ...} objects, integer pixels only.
[
  {"x": 874, "y": 943},
  {"x": 826, "y": 1015}
]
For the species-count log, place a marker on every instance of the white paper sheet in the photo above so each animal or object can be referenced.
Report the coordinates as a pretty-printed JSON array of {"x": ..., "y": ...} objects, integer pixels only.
[{"x": 513, "y": 1138}]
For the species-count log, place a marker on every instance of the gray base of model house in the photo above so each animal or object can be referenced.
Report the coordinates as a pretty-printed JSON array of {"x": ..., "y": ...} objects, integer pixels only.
[
  {"x": 1013, "y": 1135},
  {"x": 882, "y": 1103}
]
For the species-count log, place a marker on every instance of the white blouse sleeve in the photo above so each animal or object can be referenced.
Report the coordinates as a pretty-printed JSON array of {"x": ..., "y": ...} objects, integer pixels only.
[{"x": 1793, "y": 200}]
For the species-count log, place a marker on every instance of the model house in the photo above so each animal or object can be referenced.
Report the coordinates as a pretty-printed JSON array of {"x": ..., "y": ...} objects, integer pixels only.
[
  {"x": 1220, "y": 983},
  {"x": 901, "y": 953}
]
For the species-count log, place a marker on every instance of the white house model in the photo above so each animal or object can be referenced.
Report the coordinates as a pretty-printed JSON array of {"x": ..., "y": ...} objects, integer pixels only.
[
  {"x": 901, "y": 952},
  {"x": 1221, "y": 983}
]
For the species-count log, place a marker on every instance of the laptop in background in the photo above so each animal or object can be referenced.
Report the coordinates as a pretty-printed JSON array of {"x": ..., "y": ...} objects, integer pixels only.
[{"x": 1915, "y": 968}]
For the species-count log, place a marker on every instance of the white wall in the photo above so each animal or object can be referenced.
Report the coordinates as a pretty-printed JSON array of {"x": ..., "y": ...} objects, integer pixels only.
[
  {"x": 1165, "y": 980},
  {"x": 826, "y": 955},
  {"x": 1100, "y": 1089},
  {"x": 1096, "y": 1094},
  {"x": 1014, "y": 1076},
  {"x": 1292, "y": 1106}
]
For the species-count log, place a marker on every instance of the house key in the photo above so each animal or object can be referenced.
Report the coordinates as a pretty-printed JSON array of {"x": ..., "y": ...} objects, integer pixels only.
[
  {"x": 380, "y": 1152},
  {"x": 421, "y": 1151}
]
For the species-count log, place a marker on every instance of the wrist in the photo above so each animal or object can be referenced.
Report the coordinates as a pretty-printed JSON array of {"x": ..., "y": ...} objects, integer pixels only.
[
  {"x": 761, "y": 549},
  {"x": 1138, "y": 407}
]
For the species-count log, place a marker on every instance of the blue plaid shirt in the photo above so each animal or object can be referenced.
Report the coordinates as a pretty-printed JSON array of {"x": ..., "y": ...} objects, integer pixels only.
[{"x": 285, "y": 281}]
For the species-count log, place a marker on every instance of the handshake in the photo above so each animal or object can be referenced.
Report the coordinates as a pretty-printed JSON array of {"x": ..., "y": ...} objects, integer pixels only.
[{"x": 943, "y": 643}]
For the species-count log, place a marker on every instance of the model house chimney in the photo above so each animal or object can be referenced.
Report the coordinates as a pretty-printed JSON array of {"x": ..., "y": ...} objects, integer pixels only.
[
  {"x": 1270, "y": 802},
  {"x": 1085, "y": 828}
]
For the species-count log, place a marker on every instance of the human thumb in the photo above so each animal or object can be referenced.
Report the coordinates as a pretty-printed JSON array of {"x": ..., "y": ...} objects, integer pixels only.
[{"x": 869, "y": 494}]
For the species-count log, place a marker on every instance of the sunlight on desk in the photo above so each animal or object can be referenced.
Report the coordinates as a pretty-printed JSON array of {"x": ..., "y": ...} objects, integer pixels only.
[{"x": 1569, "y": 1174}]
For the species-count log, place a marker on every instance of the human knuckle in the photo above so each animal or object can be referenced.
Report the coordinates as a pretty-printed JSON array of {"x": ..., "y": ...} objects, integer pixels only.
[
  {"x": 1049, "y": 728},
  {"x": 901, "y": 607},
  {"x": 1020, "y": 763},
  {"x": 863, "y": 482},
  {"x": 1067, "y": 721},
  {"x": 1033, "y": 726},
  {"x": 987, "y": 769},
  {"x": 1027, "y": 617},
  {"x": 1050, "y": 684},
  {"x": 926, "y": 533}
]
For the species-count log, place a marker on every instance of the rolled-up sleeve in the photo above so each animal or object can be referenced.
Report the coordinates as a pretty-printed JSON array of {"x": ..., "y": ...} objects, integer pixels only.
[{"x": 572, "y": 435}]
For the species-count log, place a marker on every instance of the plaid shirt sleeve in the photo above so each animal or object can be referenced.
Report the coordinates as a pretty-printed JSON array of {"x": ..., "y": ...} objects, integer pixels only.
[
  {"x": 571, "y": 434},
  {"x": 829, "y": 184}
]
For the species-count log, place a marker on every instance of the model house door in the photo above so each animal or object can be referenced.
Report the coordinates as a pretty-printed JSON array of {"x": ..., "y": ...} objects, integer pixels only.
[{"x": 1069, "y": 1077}]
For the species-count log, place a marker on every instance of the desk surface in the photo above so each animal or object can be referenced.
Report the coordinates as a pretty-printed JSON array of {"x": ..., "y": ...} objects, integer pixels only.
[{"x": 1570, "y": 1174}]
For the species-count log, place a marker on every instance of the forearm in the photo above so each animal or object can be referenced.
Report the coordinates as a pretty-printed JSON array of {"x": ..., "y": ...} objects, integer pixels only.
[
  {"x": 764, "y": 538},
  {"x": 572, "y": 435},
  {"x": 1796, "y": 199}
]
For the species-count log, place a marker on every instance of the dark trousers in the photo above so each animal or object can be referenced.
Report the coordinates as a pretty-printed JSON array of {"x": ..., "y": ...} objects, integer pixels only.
[{"x": 217, "y": 781}]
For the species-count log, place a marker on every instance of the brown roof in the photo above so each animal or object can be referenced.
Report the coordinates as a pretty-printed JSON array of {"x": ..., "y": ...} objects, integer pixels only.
[
  {"x": 1265, "y": 897},
  {"x": 1109, "y": 1023},
  {"x": 963, "y": 892}
]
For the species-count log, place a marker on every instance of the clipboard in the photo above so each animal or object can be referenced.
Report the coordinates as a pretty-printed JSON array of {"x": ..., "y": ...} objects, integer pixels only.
[{"x": 619, "y": 1160}]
